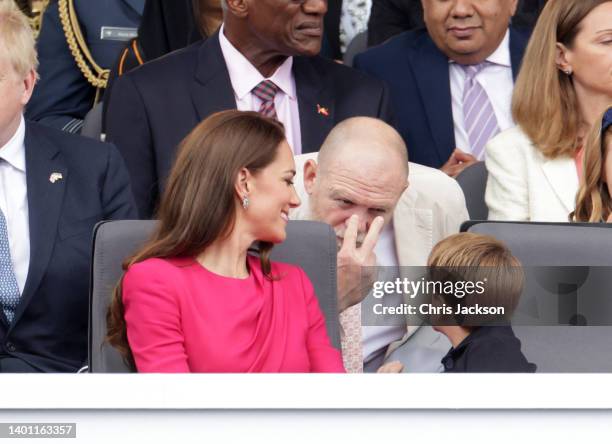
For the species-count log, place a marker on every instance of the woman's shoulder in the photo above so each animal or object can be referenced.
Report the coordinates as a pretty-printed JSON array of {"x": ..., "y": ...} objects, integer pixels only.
[
  {"x": 511, "y": 145},
  {"x": 514, "y": 136}
]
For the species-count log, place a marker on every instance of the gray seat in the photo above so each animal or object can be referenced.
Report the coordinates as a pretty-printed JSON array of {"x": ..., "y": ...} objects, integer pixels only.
[
  {"x": 473, "y": 182},
  {"x": 92, "y": 124},
  {"x": 311, "y": 245},
  {"x": 559, "y": 348},
  {"x": 356, "y": 46}
]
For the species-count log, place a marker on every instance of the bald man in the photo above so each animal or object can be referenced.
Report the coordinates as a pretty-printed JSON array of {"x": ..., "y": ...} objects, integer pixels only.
[{"x": 386, "y": 212}]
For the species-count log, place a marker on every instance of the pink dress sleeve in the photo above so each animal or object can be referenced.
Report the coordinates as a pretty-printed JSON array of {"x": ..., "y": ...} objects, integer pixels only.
[
  {"x": 153, "y": 319},
  {"x": 324, "y": 358}
]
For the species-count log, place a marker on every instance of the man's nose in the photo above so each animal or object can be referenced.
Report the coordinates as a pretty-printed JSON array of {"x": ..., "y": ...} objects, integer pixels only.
[
  {"x": 463, "y": 8},
  {"x": 363, "y": 222},
  {"x": 315, "y": 7}
]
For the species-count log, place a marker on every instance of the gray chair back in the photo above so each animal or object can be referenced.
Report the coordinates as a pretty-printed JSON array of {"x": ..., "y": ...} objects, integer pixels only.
[
  {"x": 356, "y": 46},
  {"x": 310, "y": 245},
  {"x": 559, "y": 348},
  {"x": 92, "y": 124},
  {"x": 473, "y": 182}
]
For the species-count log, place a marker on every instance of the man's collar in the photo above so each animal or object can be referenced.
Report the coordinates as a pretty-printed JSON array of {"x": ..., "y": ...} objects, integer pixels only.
[
  {"x": 244, "y": 76},
  {"x": 14, "y": 151},
  {"x": 501, "y": 56}
]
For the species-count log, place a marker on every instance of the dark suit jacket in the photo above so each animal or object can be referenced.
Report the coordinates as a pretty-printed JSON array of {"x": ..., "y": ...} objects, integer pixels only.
[
  {"x": 389, "y": 18},
  {"x": 49, "y": 331},
  {"x": 63, "y": 96},
  {"x": 493, "y": 349},
  {"x": 152, "y": 108},
  {"x": 418, "y": 76}
]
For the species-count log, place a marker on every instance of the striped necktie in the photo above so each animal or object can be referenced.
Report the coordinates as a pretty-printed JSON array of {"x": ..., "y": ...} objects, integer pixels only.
[
  {"x": 266, "y": 91},
  {"x": 9, "y": 290},
  {"x": 479, "y": 117}
]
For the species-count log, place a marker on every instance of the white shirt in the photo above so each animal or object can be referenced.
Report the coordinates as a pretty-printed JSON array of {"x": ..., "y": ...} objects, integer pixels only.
[
  {"x": 244, "y": 77},
  {"x": 497, "y": 82},
  {"x": 375, "y": 338},
  {"x": 14, "y": 202}
]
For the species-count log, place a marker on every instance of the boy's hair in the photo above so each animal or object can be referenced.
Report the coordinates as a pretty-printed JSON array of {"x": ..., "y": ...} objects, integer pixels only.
[{"x": 497, "y": 277}]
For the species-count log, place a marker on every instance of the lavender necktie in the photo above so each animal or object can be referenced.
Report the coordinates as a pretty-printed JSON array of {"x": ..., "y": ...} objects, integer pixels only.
[
  {"x": 9, "y": 290},
  {"x": 266, "y": 91},
  {"x": 478, "y": 114}
]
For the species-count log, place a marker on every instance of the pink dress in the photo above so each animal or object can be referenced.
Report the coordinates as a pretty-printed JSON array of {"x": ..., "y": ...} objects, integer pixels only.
[{"x": 183, "y": 318}]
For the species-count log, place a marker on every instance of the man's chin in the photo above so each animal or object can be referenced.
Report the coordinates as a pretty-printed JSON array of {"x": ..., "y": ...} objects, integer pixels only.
[{"x": 307, "y": 49}]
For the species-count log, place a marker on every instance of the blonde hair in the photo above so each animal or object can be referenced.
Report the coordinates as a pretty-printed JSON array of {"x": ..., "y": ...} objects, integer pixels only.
[
  {"x": 593, "y": 201},
  {"x": 544, "y": 102},
  {"x": 472, "y": 257},
  {"x": 17, "y": 41}
]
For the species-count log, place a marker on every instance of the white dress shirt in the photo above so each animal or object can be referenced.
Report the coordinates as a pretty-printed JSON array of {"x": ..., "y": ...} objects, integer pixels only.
[
  {"x": 376, "y": 338},
  {"x": 244, "y": 77},
  {"x": 14, "y": 202},
  {"x": 496, "y": 79}
]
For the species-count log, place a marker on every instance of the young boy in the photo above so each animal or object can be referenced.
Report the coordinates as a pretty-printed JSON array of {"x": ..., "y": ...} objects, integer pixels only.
[{"x": 487, "y": 282}]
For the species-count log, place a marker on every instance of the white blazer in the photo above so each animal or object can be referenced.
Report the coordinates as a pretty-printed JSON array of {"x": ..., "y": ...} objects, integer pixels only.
[{"x": 523, "y": 185}]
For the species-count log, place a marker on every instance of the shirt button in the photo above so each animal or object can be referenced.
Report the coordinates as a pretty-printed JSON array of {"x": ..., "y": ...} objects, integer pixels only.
[{"x": 11, "y": 347}]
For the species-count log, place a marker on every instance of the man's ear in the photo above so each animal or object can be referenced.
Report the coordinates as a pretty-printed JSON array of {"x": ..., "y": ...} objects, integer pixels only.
[
  {"x": 28, "y": 87},
  {"x": 237, "y": 8},
  {"x": 562, "y": 59},
  {"x": 310, "y": 175},
  {"x": 243, "y": 185}
]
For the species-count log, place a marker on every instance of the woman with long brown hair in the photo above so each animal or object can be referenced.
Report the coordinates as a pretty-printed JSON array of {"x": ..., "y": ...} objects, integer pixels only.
[
  {"x": 564, "y": 84},
  {"x": 594, "y": 201},
  {"x": 193, "y": 299}
]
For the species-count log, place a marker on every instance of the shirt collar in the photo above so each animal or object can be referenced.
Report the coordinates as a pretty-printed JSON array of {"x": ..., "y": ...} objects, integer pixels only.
[
  {"x": 14, "y": 151},
  {"x": 501, "y": 56},
  {"x": 244, "y": 76}
]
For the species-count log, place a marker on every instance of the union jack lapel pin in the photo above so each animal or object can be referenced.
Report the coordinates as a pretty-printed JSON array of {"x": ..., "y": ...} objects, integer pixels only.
[{"x": 322, "y": 110}]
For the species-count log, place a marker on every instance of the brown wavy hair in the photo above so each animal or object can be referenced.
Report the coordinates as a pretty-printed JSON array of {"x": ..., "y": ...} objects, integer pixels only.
[
  {"x": 544, "y": 102},
  {"x": 472, "y": 257},
  {"x": 199, "y": 203},
  {"x": 593, "y": 201}
]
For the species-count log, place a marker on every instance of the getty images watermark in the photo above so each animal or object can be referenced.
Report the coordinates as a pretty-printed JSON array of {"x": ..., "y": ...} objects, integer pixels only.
[
  {"x": 529, "y": 296},
  {"x": 411, "y": 289}
]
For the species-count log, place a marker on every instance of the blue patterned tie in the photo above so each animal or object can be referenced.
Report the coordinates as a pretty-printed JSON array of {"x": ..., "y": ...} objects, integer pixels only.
[{"x": 9, "y": 290}]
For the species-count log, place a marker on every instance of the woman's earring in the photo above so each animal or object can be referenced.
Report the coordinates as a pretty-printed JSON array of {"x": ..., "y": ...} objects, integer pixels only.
[
  {"x": 245, "y": 202},
  {"x": 568, "y": 71}
]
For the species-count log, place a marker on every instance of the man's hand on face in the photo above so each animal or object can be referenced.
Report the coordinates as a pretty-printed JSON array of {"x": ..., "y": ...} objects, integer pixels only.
[
  {"x": 458, "y": 161},
  {"x": 355, "y": 281}
]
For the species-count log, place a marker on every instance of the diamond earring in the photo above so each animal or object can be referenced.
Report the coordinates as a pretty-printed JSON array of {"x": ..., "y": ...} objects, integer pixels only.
[
  {"x": 568, "y": 72},
  {"x": 245, "y": 202}
]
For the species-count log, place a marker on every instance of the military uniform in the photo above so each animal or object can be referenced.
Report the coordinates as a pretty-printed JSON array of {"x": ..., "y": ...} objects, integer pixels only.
[{"x": 64, "y": 93}]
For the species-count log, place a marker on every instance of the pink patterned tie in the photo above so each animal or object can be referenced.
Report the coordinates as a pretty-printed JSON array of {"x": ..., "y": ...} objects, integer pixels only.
[
  {"x": 266, "y": 91},
  {"x": 479, "y": 116},
  {"x": 352, "y": 348}
]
